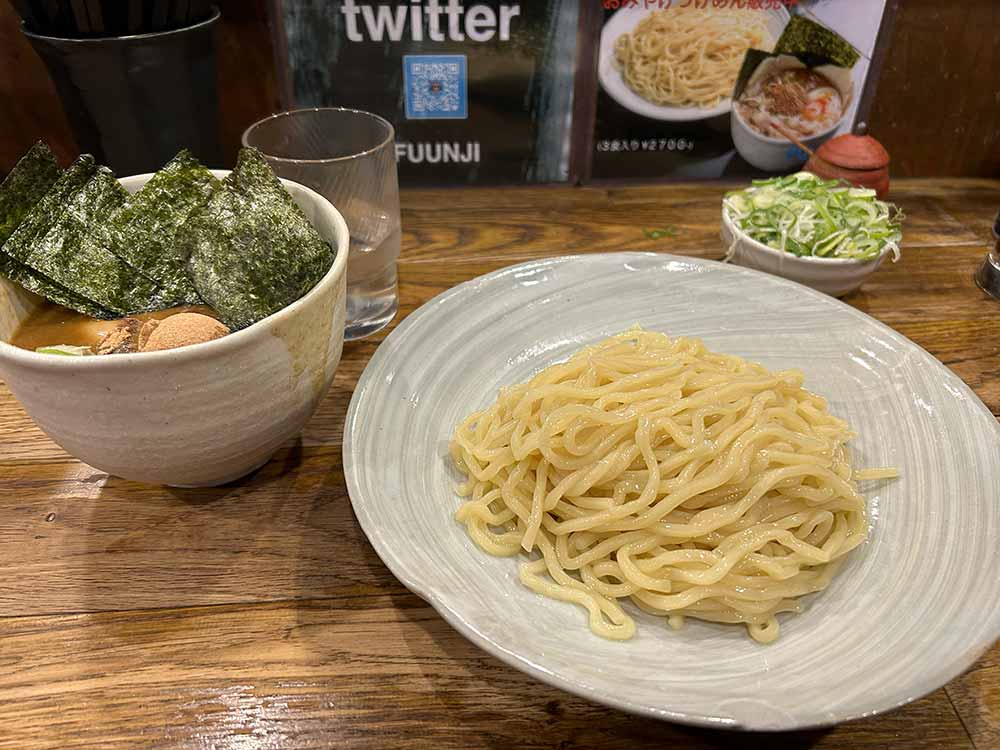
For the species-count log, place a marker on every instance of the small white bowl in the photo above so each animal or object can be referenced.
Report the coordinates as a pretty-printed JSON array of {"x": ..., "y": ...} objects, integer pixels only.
[
  {"x": 199, "y": 415},
  {"x": 834, "y": 276}
]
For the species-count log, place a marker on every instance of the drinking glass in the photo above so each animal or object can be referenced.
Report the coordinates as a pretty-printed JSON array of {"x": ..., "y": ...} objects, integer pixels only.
[{"x": 349, "y": 157}]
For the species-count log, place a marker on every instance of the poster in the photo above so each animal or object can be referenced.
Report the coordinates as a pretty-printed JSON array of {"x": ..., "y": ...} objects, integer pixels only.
[
  {"x": 478, "y": 92},
  {"x": 497, "y": 92},
  {"x": 670, "y": 101}
]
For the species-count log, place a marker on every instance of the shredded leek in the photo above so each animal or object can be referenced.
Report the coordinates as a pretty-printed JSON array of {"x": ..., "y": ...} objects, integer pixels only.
[
  {"x": 804, "y": 215},
  {"x": 65, "y": 350}
]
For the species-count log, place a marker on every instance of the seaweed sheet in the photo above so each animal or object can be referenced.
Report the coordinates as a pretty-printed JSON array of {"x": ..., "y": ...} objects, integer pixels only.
[
  {"x": 815, "y": 45},
  {"x": 252, "y": 250},
  {"x": 142, "y": 232},
  {"x": 65, "y": 254},
  {"x": 34, "y": 225},
  {"x": 751, "y": 60},
  {"x": 24, "y": 186}
]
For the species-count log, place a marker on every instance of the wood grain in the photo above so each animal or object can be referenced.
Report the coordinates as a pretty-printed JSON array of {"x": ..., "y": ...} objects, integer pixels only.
[
  {"x": 361, "y": 670},
  {"x": 257, "y": 615},
  {"x": 976, "y": 696},
  {"x": 248, "y": 90},
  {"x": 936, "y": 107},
  {"x": 940, "y": 215},
  {"x": 31, "y": 108}
]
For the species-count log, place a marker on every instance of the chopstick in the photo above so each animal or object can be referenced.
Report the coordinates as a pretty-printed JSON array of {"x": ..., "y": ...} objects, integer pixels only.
[
  {"x": 89, "y": 18},
  {"x": 134, "y": 16},
  {"x": 790, "y": 136},
  {"x": 80, "y": 16},
  {"x": 179, "y": 12},
  {"x": 160, "y": 11},
  {"x": 96, "y": 16}
]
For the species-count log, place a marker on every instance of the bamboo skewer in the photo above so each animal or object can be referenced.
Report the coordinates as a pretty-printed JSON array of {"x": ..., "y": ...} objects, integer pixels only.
[{"x": 790, "y": 136}]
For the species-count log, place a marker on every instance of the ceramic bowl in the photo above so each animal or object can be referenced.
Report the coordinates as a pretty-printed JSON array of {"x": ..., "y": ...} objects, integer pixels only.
[
  {"x": 834, "y": 276},
  {"x": 778, "y": 154},
  {"x": 773, "y": 154},
  {"x": 199, "y": 415}
]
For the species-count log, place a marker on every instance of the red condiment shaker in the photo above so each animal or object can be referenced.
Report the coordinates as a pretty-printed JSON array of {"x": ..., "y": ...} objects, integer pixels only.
[{"x": 855, "y": 157}]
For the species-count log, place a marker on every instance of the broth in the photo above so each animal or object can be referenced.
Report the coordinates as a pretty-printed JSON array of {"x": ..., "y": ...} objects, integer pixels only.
[
  {"x": 49, "y": 325},
  {"x": 800, "y": 101}
]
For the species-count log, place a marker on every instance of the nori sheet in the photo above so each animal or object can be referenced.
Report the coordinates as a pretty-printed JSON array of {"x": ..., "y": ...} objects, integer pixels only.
[
  {"x": 66, "y": 255},
  {"x": 815, "y": 44},
  {"x": 44, "y": 213},
  {"x": 251, "y": 249},
  {"x": 34, "y": 225},
  {"x": 24, "y": 186},
  {"x": 142, "y": 232},
  {"x": 751, "y": 60}
]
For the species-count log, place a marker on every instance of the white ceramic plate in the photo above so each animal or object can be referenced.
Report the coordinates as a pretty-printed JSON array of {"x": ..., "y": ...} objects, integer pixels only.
[
  {"x": 622, "y": 22},
  {"x": 912, "y": 608}
]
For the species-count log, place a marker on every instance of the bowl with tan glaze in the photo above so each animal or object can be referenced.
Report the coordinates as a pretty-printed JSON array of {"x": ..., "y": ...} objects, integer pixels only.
[{"x": 199, "y": 415}]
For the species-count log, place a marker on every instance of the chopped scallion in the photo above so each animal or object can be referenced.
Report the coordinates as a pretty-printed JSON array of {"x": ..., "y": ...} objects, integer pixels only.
[{"x": 807, "y": 216}]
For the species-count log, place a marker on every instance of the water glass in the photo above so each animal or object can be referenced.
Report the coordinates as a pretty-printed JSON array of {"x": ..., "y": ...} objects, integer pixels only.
[{"x": 349, "y": 157}]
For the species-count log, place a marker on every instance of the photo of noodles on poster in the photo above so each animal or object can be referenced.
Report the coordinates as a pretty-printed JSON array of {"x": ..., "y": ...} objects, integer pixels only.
[
  {"x": 681, "y": 63},
  {"x": 709, "y": 90}
]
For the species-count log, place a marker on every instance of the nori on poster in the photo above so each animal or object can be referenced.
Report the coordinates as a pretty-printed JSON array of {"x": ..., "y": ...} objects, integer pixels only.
[{"x": 625, "y": 144}]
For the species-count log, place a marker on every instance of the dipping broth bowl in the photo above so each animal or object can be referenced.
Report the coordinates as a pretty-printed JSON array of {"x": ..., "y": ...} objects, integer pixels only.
[
  {"x": 198, "y": 415},
  {"x": 773, "y": 154}
]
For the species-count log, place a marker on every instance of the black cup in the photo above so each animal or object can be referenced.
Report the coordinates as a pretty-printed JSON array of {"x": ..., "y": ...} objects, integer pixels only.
[{"x": 135, "y": 101}]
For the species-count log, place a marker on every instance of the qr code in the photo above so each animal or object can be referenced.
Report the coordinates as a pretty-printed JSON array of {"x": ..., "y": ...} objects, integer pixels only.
[{"x": 435, "y": 86}]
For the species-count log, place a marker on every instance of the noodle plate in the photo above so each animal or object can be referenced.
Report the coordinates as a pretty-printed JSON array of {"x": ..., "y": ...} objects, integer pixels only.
[{"x": 650, "y": 469}]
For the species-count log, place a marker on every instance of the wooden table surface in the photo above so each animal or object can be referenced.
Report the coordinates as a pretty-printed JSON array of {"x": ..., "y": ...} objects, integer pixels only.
[{"x": 256, "y": 615}]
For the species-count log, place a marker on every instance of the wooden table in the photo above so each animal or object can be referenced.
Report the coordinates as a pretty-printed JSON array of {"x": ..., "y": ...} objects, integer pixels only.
[{"x": 257, "y": 615}]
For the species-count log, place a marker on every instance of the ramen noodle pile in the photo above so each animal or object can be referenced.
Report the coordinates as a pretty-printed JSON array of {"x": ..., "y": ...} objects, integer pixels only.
[
  {"x": 650, "y": 469},
  {"x": 689, "y": 57}
]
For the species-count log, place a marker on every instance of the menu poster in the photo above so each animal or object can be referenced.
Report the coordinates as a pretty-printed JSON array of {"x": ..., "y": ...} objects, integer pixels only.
[
  {"x": 478, "y": 91},
  {"x": 705, "y": 89}
]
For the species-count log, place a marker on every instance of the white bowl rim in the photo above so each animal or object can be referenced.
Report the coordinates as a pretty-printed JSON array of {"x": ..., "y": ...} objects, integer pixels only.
[
  {"x": 814, "y": 259},
  {"x": 28, "y": 358}
]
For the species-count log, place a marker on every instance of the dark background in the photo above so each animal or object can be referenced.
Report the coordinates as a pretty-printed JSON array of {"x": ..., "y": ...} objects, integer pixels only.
[
  {"x": 936, "y": 107},
  {"x": 513, "y": 90}
]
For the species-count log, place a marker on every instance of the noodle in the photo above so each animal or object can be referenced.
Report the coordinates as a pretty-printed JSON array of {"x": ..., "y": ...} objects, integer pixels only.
[
  {"x": 888, "y": 472},
  {"x": 689, "y": 57},
  {"x": 648, "y": 468}
]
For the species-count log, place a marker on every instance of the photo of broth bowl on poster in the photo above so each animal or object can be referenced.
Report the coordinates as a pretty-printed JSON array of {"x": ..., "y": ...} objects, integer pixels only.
[
  {"x": 787, "y": 103},
  {"x": 703, "y": 90}
]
